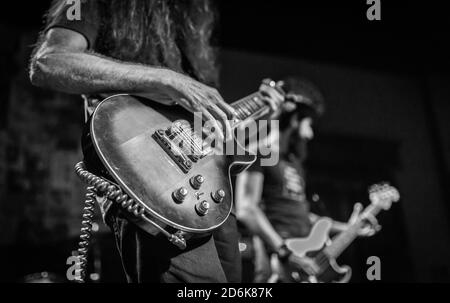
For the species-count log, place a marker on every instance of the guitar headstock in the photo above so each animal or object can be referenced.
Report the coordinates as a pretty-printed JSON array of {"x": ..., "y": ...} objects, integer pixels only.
[
  {"x": 292, "y": 100},
  {"x": 383, "y": 195},
  {"x": 279, "y": 86}
]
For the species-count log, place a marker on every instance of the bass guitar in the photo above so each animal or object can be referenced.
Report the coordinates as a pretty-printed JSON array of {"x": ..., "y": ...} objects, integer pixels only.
[{"x": 322, "y": 252}]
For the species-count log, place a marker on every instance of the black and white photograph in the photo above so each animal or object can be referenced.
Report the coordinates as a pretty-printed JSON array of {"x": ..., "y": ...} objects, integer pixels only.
[{"x": 255, "y": 143}]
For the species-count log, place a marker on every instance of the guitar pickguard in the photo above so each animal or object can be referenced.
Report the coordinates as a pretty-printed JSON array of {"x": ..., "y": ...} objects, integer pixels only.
[{"x": 314, "y": 242}]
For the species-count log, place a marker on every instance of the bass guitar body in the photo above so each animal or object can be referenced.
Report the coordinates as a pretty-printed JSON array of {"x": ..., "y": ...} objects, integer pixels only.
[
  {"x": 143, "y": 146},
  {"x": 328, "y": 271}
]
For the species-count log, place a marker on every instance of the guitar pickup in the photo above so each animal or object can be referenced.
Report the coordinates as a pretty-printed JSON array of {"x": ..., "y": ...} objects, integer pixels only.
[{"x": 173, "y": 150}]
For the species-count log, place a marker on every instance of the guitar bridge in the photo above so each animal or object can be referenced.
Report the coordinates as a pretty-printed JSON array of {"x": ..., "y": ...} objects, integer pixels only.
[
  {"x": 182, "y": 144},
  {"x": 173, "y": 150}
]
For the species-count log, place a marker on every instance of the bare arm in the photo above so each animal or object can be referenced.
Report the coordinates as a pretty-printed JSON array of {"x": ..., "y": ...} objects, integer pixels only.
[
  {"x": 61, "y": 62},
  {"x": 248, "y": 196},
  {"x": 336, "y": 226},
  {"x": 366, "y": 230}
]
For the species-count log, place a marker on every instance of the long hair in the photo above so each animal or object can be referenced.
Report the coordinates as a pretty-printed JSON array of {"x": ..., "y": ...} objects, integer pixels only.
[{"x": 169, "y": 33}]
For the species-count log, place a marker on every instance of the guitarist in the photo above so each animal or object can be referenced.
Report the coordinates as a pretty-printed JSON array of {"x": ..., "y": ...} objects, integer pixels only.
[
  {"x": 271, "y": 201},
  {"x": 160, "y": 49}
]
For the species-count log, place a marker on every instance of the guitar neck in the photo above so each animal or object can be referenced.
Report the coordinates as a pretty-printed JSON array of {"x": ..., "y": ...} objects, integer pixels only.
[
  {"x": 345, "y": 238},
  {"x": 251, "y": 107}
]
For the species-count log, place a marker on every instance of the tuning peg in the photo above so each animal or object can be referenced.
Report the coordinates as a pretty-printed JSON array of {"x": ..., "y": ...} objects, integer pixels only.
[
  {"x": 279, "y": 86},
  {"x": 269, "y": 82}
]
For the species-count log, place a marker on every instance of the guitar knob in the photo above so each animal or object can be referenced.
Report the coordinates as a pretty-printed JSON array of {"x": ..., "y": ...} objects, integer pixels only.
[
  {"x": 180, "y": 194},
  {"x": 218, "y": 196},
  {"x": 197, "y": 181},
  {"x": 202, "y": 208}
]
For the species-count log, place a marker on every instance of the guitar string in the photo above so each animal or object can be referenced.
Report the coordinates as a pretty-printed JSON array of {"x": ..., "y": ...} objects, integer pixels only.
[
  {"x": 190, "y": 140},
  {"x": 247, "y": 114},
  {"x": 243, "y": 107},
  {"x": 201, "y": 148}
]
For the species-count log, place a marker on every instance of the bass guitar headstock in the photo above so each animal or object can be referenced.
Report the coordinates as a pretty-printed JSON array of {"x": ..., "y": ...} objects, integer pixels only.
[{"x": 383, "y": 195}]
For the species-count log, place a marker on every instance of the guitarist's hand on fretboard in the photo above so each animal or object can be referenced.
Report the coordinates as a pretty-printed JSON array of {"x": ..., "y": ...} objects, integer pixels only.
[
  {"x": 370, "y": 224},
  {"x": 197, "y": 97},
  {"x": 272, "y": 96}
]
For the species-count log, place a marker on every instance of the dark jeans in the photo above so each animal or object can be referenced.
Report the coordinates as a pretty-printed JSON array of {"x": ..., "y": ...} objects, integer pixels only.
[{"x": 147, "y": 258}]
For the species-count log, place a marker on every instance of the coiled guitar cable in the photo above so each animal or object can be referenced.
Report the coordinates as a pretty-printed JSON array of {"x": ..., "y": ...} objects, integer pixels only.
[
  {"x": 102, "y": 188},
  {"x": 86, "y": 234}
]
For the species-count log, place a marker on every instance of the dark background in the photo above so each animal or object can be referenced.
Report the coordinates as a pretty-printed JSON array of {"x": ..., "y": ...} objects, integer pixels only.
[{"x": 386, "y": 86}]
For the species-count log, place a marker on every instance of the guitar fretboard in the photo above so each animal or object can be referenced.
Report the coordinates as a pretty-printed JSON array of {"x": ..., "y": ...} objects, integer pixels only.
[
  {"x": 252, "y": 106},
  {"x": 345, "y": 238}
]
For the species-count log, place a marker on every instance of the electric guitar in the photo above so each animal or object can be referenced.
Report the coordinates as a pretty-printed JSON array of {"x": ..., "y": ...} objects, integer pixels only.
[
  {"x": 149, "y": 149},
  {"x": 323, "y": 252}
]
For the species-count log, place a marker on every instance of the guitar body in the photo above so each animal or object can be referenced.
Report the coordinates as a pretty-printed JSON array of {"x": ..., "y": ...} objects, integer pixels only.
[
  {"x": 124, "y": 133},
  {"x": 312, "y": 247},
  {"x": 333, "y": 273}
]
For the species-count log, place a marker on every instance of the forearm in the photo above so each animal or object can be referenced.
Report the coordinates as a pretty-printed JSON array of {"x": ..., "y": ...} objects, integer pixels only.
[
  {"x": 79, "y": 72},
  {"x": 256, "y": 221},
  {"x": 336, "y": 226}
]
